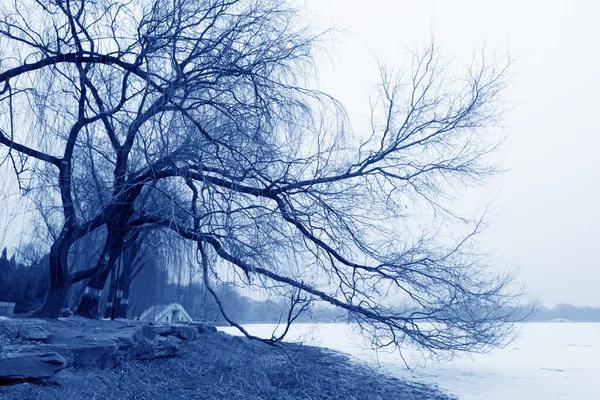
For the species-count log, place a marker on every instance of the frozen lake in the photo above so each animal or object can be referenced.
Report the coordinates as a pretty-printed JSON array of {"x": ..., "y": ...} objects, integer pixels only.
[{"x": 548, "y": 361}]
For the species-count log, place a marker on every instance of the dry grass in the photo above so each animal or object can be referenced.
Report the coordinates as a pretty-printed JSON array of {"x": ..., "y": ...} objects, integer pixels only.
[{"x": 218, "y": 366}]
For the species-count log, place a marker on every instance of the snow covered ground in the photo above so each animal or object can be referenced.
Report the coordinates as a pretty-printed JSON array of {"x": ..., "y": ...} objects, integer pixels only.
[{"x": 548, "y": 361}]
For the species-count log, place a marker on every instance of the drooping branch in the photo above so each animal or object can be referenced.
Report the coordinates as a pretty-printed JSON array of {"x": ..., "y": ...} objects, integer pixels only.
[{"x": 11, "y": 144}]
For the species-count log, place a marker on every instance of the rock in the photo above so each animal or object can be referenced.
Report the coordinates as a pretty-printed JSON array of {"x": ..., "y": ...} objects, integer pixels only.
[
  {"x": 171, "y": 338},
  {"x": 86, "y": 346},
  {"x": 185, "y": 332},
  {"x": 64, "y": 377},
  {"x": 202, "y": 327},
  {"x": 151, "y": 331},
  {"x": 158, "y": 348},
  {"x": 126, "y": 338},
  {"x": 88, "y": 350},
  {"x": 34, "y": 365},
  {"x": 160, "y": 339},
  {"x": 28, "y": 329}
]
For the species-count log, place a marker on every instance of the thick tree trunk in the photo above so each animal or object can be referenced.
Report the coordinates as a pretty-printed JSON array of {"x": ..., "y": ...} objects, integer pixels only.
[
  {"x": 122, "y": 305},
  {"x": 124, "y": 281},
  {"x": 111, "y": 295},
  {"x": 88, "y": 306},
  {"x": 57, "y": 294},
  {"x": 60, "y": 280}
]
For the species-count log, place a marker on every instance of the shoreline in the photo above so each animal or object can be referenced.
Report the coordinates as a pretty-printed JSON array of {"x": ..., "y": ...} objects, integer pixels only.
[{"x": 217, "y": 365}]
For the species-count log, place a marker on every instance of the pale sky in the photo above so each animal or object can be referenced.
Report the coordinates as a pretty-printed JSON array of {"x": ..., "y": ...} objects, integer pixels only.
[{"x": 550, "y": 224}]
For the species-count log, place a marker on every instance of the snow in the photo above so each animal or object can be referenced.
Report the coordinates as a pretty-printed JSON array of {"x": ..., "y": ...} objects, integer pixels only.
[{"x": 548, "y": 361}]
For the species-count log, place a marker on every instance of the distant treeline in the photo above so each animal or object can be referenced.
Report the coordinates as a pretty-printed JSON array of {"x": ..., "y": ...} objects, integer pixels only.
[
  {"x": 566, "y": 311},
  {"x": 24, "y": 285}
]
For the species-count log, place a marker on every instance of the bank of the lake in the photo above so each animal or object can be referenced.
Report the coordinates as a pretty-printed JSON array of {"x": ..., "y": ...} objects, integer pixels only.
[{"x": 220, "y": 366}]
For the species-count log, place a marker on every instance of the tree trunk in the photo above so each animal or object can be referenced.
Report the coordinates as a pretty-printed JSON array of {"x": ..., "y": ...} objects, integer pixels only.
[
  {"x": 111, "y": 295},
  {"x": 88, "y": 306},
  {"x": 60, "y": 280},
  {"x": 129, "y": 257},
  {"x": 57, "y": 294},
  {"x": 122, "y": 303}
]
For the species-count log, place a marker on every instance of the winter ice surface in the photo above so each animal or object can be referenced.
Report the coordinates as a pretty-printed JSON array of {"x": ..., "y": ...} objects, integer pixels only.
[{"x": 548, "y": 361}]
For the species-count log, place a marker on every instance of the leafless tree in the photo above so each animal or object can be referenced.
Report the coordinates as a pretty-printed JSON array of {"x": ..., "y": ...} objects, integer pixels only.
[{"x": 209, "y": 105}]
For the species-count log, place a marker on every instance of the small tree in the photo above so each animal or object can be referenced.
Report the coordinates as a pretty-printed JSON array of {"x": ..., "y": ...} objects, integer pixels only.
[{"x": 206, "y": 108}]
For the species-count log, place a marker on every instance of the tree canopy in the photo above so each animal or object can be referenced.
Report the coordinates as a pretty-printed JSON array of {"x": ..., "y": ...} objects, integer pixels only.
[{"x": 200, "y": 118}]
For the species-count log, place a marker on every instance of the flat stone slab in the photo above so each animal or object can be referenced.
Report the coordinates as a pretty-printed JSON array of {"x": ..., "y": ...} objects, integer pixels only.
[
  {"x": 32, "y": 365},
  {"x": 125, "y": 337},
  {"x": 88, "y": 350},
  {"x": 28, "y": 329},
  {"x": 81, "y": 343}
]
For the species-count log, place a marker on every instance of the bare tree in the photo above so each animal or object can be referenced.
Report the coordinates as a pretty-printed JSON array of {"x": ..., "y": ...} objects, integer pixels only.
[{"x": 208, "y": 106}]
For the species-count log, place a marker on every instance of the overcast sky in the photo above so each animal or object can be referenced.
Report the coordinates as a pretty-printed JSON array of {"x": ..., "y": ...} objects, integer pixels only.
[{"x": 550, "y": 226}]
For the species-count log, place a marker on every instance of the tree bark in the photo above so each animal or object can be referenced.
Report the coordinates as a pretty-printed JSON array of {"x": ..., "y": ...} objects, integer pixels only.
[
  {"x": 88, "y": 306},
  {"x": 60, "y": 280},
  {"x": 111, "y": 295},
  {"x": 124, "y": 281},
  {"x": 122, "y": 304}
]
